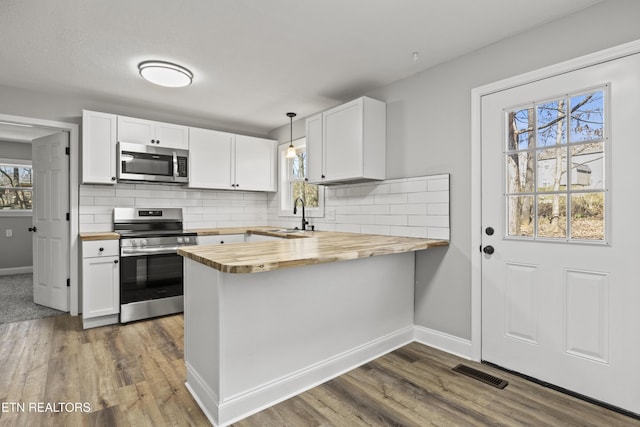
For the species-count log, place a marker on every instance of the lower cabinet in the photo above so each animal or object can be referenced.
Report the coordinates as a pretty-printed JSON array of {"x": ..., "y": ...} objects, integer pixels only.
[{"x": 100, "y": 283}]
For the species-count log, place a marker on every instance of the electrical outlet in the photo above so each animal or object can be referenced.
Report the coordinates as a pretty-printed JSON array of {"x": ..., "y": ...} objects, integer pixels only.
[{"x": 9, "y": 232}]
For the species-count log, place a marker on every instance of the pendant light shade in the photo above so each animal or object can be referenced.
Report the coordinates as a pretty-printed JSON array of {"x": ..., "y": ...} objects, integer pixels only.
[
  {"x": 291, "y": 151},
  {"x": 165, "y": 73}
]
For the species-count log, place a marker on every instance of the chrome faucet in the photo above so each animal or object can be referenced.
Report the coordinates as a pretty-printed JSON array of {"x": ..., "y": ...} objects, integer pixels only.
[{"x": 295, "y": 211}]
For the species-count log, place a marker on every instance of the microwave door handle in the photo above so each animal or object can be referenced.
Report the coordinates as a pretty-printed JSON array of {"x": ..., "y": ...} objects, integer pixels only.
[{"x": 175, "y": 165}]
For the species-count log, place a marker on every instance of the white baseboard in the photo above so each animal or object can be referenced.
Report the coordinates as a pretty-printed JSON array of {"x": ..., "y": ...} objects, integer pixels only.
[
  {"x": 241, "y": 406},
  {"x": 443, "y": 341},
  {"x": 16, "y": 270}
]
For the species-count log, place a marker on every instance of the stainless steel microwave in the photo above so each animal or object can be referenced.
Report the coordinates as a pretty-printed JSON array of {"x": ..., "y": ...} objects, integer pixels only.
[{"x": 140, "y": 162}]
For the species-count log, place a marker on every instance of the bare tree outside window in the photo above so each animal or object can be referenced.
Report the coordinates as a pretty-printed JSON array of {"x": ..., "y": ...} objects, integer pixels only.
[
  {"x": 16, "y": 187},
  {"x": 555, "y": 159}
]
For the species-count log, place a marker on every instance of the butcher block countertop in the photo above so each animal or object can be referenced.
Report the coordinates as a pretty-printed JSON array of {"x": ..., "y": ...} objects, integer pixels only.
[
  {"x": 298, "y": 249},
  {"x": 99, "y": 235}
]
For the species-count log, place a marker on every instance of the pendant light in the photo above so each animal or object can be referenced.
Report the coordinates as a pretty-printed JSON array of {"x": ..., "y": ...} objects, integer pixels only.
[{"x": 291, "y": 151}]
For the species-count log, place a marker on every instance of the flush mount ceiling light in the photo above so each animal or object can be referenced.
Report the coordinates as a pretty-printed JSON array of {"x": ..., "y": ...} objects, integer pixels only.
[
  {"x": 165, "y": 73},
  {"x": 291, "y": 151}
]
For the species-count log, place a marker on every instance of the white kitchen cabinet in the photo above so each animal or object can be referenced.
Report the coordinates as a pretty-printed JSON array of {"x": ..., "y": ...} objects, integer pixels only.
[
  {"x": 220, "y": 160},
  {"x": 99, "y": 140},
  {"x": 149, "y": 132},
  {"x": 210, "y": 155},
  {"x": 100, "y": 283},
  {"x": 314, "y": 149},
  {"x": 255, "y": 163},
  {"x": 348, "y": 143},
  {"x": 221, "y": 239}
]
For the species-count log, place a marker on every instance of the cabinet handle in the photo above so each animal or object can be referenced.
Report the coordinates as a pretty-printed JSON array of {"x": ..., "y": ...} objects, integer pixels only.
[
  {"x": 157, "y": 141},
  {"x": 322, "y": 176},
  {"x": 33, "y": 229},
  {"x": 306, "y": 179},
  {"x": 222, "y": 242},
  {"x": 153, "y": 141},
  {"x": 115, "y": 261},
  {"x": 113, "y": 178},
  {"x": 101, "y": 249}
]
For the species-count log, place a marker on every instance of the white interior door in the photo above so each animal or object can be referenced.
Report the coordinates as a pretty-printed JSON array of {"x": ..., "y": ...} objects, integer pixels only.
[
  {"x": 560, "y": 289},
  {"x": 50, "y": 225}
]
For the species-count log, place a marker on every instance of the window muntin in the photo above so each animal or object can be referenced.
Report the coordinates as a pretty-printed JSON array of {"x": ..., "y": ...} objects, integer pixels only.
[
  {"x": 555, "y": 186},
  {"x": 16, "y": 187}
]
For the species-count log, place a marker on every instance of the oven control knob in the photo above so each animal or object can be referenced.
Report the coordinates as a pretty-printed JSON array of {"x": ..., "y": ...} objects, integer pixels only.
[{"x": 180, "y": 240}]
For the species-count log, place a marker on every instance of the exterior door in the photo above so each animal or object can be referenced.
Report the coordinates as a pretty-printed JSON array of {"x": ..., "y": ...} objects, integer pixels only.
[
  {"x": 50, "y": 225},
  {"x": 560, "y": 200}
]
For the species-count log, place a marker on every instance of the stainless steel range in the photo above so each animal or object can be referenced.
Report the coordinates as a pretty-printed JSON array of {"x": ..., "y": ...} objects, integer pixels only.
[{"x": 151, "y": 282}]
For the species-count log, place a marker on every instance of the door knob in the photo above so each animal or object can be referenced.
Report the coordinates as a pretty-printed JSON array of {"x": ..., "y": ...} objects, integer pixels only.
[
  {"x": 489, "y": 231},
  {"x": 488, "y": 250},
  {"x": 33, "y": 229}
]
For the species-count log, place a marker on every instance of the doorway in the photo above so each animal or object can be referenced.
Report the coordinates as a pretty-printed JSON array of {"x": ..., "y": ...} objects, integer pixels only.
[
  {"x": 553, "y": 287},
  {"x": 27, "y": 129}
]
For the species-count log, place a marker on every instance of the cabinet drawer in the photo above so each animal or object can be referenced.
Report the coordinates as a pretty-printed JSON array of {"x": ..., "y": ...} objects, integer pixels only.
[{"x": 100, "y": 248}]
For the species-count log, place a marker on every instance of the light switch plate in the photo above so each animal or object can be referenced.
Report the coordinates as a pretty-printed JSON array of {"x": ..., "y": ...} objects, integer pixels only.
[{"x": 9, "y": 232}]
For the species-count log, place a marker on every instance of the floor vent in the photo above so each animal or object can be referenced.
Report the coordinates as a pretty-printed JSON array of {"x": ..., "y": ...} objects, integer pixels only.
[{"x": 481, "y": 376}]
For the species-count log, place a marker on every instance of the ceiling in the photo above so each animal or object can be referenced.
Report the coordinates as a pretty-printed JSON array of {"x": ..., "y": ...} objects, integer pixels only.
[{"x": 253, "y": 60}]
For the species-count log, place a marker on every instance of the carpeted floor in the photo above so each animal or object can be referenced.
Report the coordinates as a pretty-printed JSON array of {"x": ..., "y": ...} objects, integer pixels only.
[{"x": 16, "y": 300}]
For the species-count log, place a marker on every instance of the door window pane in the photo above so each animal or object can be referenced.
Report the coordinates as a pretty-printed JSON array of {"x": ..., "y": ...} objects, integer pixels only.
[
  {"x": 552, "y": 169},
  {"x": 552, "y": 216},
  {"x": 521, "y": 212},
  {"x": 551, "y": 123},
  {"x": 587, "y": 216}
]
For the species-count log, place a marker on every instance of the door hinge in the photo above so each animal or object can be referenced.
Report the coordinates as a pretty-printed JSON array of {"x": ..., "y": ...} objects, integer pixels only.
[
  {"x": 68, "y": 283},
  {"x": 68, "y": 216},
  {"x": 67, "y": 150}
]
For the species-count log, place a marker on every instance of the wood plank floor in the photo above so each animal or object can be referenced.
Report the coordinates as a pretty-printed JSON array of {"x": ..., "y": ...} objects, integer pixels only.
[{"x": 133, "y": 375}]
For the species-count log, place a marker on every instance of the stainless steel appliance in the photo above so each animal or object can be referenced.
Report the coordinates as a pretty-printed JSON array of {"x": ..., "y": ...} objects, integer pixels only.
[
  {"x": 140, "y": 162},
  {"x": 151, "y": 282}
]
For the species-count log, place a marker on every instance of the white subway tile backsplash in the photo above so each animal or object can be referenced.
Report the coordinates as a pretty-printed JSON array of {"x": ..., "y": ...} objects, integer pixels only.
[
  {"x": 408, "y": 187},
  {"x": 389, "y": 199},
  {"x": 415, "y": 207}
]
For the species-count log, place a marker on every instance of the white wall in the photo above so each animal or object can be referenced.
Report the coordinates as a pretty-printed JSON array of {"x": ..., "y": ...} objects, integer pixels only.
[{"x": 428, "y": 132}]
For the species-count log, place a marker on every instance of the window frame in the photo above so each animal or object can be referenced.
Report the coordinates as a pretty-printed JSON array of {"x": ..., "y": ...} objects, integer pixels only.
[
  {"x": 24, "y": 164},
  {"x": 606, "y": 140},
  {"x": 285, "y": 205}
]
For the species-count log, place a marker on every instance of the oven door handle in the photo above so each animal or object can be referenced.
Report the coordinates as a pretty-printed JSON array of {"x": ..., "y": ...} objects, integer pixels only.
[{"x": 126, "y": 252}]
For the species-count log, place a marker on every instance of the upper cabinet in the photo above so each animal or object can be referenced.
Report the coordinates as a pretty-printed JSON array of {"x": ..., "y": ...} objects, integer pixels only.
[
  {"x": 255, "y": 163},
  {"x": 347, "y": 143},
  {"x": 210, "y": 154},
  {"x": 220, "y": 160},
  {"x": 148, "y": 132},
  {"x": 98, "y": 147}
]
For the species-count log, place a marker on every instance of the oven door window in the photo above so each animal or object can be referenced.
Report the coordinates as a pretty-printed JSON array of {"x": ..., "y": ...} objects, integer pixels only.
[
  {"x": 146, "y": 164},
  {"x": 150, "y": 277}
]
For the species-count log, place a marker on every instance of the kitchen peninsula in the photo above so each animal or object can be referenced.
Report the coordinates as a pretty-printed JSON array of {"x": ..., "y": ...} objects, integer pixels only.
[{"x": 267, "y": 320}]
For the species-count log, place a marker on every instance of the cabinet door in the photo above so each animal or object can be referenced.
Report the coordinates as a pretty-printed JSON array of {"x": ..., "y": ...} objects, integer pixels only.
[
  {"x": 255, "y": 164},
  {"x": 100, "y": 286},
  {"x": 172, "y": 136},
  {"x": 98, "y": 148},
  {"x": 342, "y": 136},
  {"x": 210, "y": 159},
  {"x": 134, "y": 130},
  {"x": 314, "y": 149}
]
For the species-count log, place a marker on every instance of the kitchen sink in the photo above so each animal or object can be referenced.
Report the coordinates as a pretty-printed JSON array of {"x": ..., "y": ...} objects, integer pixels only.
[{"x": 288, "y": 230}]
